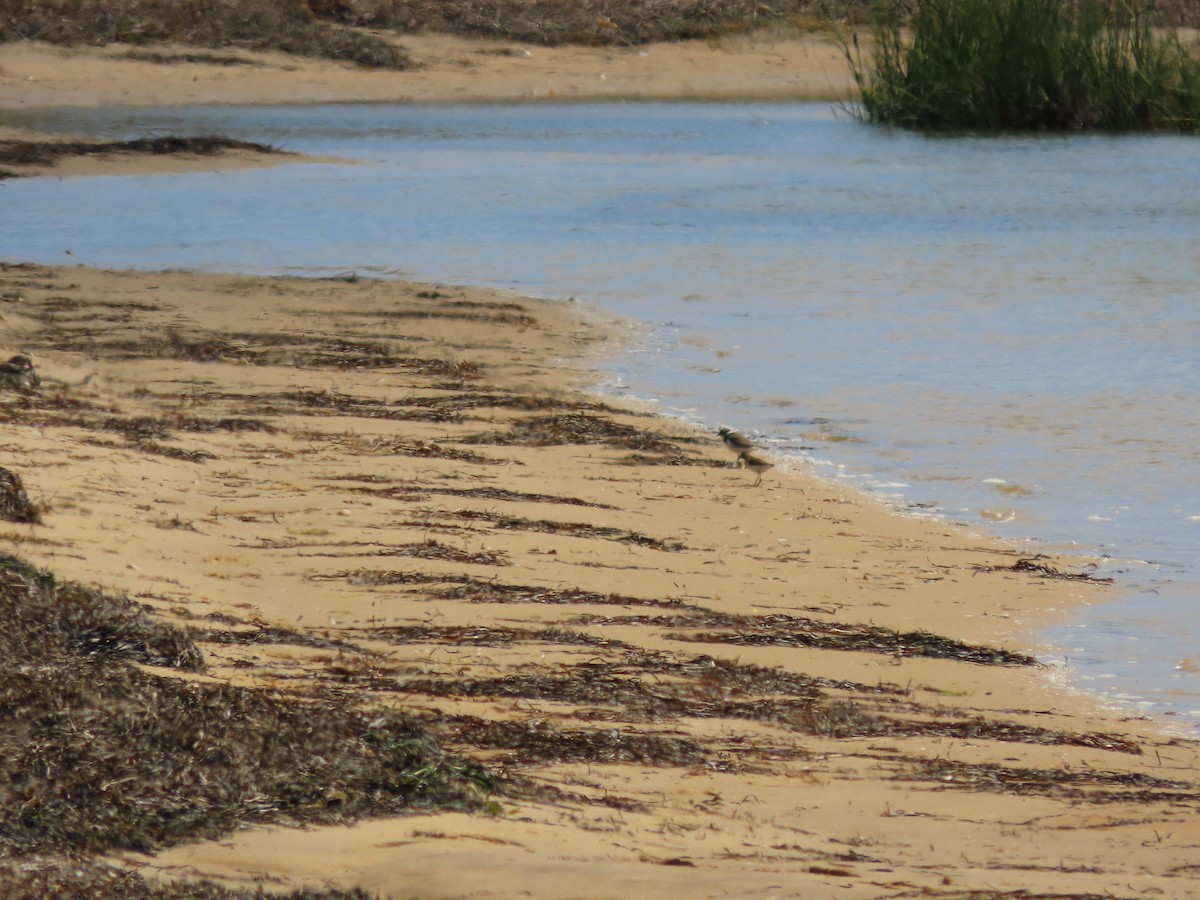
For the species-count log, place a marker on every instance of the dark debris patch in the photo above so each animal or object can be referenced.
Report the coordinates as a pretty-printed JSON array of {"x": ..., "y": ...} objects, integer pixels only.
[
  {"x": 671, "y": 459},
  {"x": 36, "y": 877},
  {"x": 481, "y": 590},
  {"x": 169, "y": 345},
  {"x": 49, "y": 153},
  {"x": 446, "y": 301},
  {"x": 494, "y": 493},
  {"x": 146, "y": 433},
  {"x": 731, "y": 678},
  {"x": 98, "y": 755},
  {"x": 461, "y": 401},
  {"x": 258, "y": 635},
  {"x": 980, "y": 728},
  {"x": 430, "y": 549},
  {"x": 580, "y": 428},
  {"x": 235, "y": 425},
  {"x": 61, "y": 303},
  {"x": 616, "y": 693},
  {"x": 636, "y": 685},
  {"x": 401, "y": 493},
  {"x": 345, "y": 354},
  {"x": 476, "y": 590},
  {"x": 630, "y": 691},
  {"x": 846, "y": 719},
  {"x": 156, "y": 449},
  {"x": 861, "y": 638},
  {"x": 416, "y": 449},
  {"x": 571, "y": 529},
  {"x": 172, "y": 59},
  {"x": 51, "y": 409},
  {"x": 1018, "y": 894},
  {"x": 535, "y": 742},
  {"x": 18, "y": 373},
  {"x": 1089, "y": 785},
  {"x": 1032, "y": 565},
  {"x": 488, "y": 636},
  {"x": 141, "y": 428},
  {"x": 43, "y": 621},
  {"x": 15, "y": 505},
  {"x": 532, "y": 790},
  {"x": 800, "y": 631},
  {"x": 736, "y": 679},
  {"x": 334, "y": 403},
  {"x": 377, "y": 577},
  {"x": 422, "y": 450},
  {"x": 597, "y": 686},
  {"x": 498, "y": 317}
]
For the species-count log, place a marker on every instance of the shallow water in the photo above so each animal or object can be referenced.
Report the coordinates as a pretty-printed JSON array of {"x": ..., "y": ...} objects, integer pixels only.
[{"x": 1003, "y": 330}]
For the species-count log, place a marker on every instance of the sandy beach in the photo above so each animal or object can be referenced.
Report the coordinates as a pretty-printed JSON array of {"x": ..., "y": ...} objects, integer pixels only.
[{"x": 405, "y": 495}]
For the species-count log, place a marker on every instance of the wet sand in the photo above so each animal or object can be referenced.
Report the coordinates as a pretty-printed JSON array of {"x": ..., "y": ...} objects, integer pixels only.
[{"x": 688, "y": 686}]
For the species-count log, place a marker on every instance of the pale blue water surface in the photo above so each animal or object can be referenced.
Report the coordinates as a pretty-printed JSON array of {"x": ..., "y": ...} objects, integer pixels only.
[{"x": 1003, "y": 329}]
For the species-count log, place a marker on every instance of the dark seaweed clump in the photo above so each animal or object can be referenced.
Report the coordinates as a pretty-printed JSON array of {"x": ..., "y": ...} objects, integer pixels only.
[
  {"x": 98, "y": 754},
  {"x": 15, "y": 505},
  {"x": 48, "y": 153},
  {"x": 36, "y": 878},
  {"x": 579, "y": 428}
]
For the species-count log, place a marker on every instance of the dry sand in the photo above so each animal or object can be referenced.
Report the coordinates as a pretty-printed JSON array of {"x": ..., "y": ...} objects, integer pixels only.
[
  {"x": 693, "y": 687},
  {"x": 448, "y": 69}
]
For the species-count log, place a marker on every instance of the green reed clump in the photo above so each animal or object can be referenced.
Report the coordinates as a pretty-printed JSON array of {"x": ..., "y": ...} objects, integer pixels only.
[{"x": 1026, "y": 65}]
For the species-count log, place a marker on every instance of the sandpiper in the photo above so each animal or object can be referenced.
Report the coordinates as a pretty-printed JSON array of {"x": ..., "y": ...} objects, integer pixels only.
[
  {"x": 755, "y": 464},
  {"x": 735, "y": 442}
]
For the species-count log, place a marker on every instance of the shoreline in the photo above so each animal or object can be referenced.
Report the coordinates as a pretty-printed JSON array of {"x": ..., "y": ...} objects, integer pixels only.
[
  {"x": 586, "y": 598},
  {"x": 408, "y": 497},
  {"x": 36, "y": 77}
]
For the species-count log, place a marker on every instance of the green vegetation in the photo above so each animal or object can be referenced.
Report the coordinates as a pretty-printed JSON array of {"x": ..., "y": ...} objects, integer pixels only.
[{"x": 1026, "y": 65}]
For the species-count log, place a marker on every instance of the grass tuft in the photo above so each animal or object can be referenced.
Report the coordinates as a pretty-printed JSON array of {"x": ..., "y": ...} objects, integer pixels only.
[{"x": 1026, "y": 65}]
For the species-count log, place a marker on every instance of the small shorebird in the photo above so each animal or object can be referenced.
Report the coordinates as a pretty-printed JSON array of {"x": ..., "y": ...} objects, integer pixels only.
[
  {"x": 755, "y": 464},
  {"x": 735, "y": 442}
]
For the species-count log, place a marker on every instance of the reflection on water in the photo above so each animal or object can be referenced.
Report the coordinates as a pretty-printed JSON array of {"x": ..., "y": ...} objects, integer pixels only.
[{"x": 1003, "y": 329}]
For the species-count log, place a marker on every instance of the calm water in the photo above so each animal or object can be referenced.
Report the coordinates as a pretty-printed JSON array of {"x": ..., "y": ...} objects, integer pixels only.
[{"x": 1004, "y": 330}]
